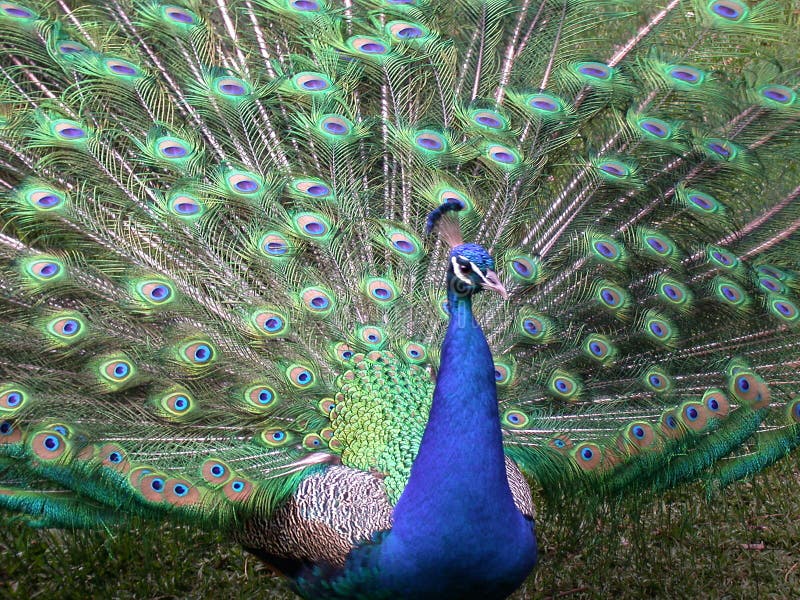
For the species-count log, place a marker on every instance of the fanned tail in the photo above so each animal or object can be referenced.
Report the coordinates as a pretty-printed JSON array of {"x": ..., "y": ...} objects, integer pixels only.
[{"x": 214, "y": 281}]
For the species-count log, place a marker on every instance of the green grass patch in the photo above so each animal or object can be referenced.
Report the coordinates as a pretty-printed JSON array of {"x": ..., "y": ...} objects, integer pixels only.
[{"x": 744, "y": 542}]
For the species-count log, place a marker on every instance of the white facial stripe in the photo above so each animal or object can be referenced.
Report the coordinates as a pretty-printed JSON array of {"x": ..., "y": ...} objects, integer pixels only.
[
  {"x": 478, "y": 271},
  {"x": 457, "y": 271}
]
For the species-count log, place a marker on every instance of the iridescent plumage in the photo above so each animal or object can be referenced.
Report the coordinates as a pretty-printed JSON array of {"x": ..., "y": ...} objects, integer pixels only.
[{"x": 220, "y": 305}]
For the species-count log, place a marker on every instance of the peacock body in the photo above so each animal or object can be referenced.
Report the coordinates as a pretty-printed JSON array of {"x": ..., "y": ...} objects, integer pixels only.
[{"x": 219, "y": 305}]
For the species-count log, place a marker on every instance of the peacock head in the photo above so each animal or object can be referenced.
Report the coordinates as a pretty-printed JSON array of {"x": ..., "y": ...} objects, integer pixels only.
[{"x": 471, "y": 269}]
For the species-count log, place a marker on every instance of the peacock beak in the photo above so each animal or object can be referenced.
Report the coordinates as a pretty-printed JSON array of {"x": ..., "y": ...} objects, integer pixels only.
[{"x": 492, "y": 282}]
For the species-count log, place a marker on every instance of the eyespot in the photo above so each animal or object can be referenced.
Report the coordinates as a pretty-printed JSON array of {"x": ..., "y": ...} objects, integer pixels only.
[
  {"x": 594, "y": 70},
  {"x": 274, "y": 245},
  {"x": 503, "y": 156},
  {"x": 606, "y": 250},
  {"x": 270, "y": 323},
  {"x": 784, "y": 309},
  {"x": 430, "y": 141},
  {"x": 237, "y": 489},
  {"x": 561, "y": 443},
  {"x": 772, "y": 271},
  {"x": 448, "y": 195},
  {"x": 45, "y": 270},
  {"x": 185, "y": 206},
  {"x": 588, "y": 456},
  {"x": 216, "y": 472},
  {"x": 728, "y": 10},
  {"x": 669, "y": 424},
  {"x": 311, "y": 226},
  {"x": 151, "y": 485},
  {"x": 67, "y": 329},
  {"x": 792, "y": 410},
  {"x": 300, "y": 376},
  {"x": 722, "y": 258},
  {"x": 179, "y": 15},
  {"x": 656, "y": 128},
  {"x": 312, "y": 82},
  {"x": 639, "y": 435},
  {"x": 12, "y": 399},
  {"x": 231, "y": 87},
  {"x": 611, "y": 297},
  {"x": 694, "y": 415},
  {"x": 114, "y": 457},
  {"x": 176, "y": 404},
  {"x": 9, "y": 434},
  {"x": 276, "y": 437},
  {"x": 381, "y": 290},
  {"x": 598, "y": 347},
  {"x": 722, "y": 149},
  {"x": 172, "y": 148},
  {"x": 117, "y": 370},
  {"x": 335, "y": 125},
  {"x": 515, "y": 419},
  {"x": 369, "y": 46},
  {"x": 374, "y": 337},
  {"x": 69, "y": 47},
  {"x": 672, "y": 292},
  {"x": 45, "y": 199},
  {"x": 326, "y": 406},
  {"x": 406, "y": 30},
  {"x": 317, "y": 301},
  {"x": 69, "y": 130},
  {"x": 716, "y": 402},
  {"x": 702, "y": 203},
  {"x": 778, "y": 94},
  {"x": 545, "y": 104},
  {"x": 657, "y": 381},
  {"x": 17, "y": 11},
  {"x": 313, "y": 441},
  {"x": 155, "y": 292},
  {"x": 343, "y": 352},
  {"x": 260, "y": 396},
  {"x": 404, "y": 244},
  {"x": 48, "y": 445},
  {"x": 731, "y": 293},
  {"x": 533, "y": 326},
  {"x": 490, "y": 120},
  {"x": 503, "y": 373},
  {"x": 685, "y": 75},
  {"x": 563, "y": 385},
  {"x": 198, "y": 353},
  {"x": 658, "y": 329},
  {"x": 180, "y": 492},
  {"x": 244, "y": 183},
  {"x": 750, "y": 388},
  {"x": 312, "y": 188},
  {"x": 771, "y": 285},
  {"x": 415, "y": 353},
  {"x": 659, "y": 245},
  {"x": 116, "y": 66},
  {"x": 614, "y": 168},
  {"x": 523, "y": 268},
  {"x": 306, "y": 5}
]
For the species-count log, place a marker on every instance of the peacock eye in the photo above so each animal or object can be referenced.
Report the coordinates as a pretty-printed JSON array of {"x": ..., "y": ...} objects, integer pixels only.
[{"x": 466, "y": 269}]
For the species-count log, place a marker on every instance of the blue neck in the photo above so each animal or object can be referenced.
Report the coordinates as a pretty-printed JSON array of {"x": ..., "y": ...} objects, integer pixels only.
[{"x": 456, "y": 518}]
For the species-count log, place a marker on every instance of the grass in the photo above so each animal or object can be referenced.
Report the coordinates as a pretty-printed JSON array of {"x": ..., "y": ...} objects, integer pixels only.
[{"x": 742, "y": 543}]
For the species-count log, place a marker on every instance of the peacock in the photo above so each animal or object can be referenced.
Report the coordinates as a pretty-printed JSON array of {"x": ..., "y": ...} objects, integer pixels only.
[{"x": 344, "y": 280}]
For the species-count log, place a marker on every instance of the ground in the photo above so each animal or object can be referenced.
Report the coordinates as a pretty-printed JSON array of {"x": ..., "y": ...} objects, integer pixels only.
[{"x": 742, "y": 543}]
